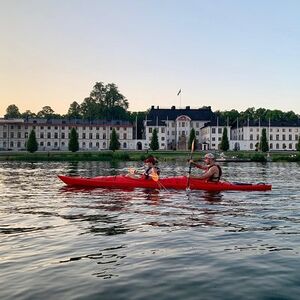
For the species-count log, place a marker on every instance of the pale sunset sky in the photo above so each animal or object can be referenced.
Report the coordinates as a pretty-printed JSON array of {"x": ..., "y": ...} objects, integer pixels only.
[{"x": 229, "y": 54}]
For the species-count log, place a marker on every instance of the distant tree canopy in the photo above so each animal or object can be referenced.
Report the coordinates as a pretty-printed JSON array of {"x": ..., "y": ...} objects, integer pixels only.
[
  {"x": 106, "y": 102},
  {"x": 12, "y": 111},
  {"x": 257, "y": 114}
]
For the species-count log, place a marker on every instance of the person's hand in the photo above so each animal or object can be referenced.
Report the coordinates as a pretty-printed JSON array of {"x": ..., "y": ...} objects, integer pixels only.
[{"x": 190, "y": 161}]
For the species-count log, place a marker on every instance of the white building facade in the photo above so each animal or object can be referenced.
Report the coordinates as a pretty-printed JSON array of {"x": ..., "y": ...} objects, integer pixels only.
[{"x": 54, "y": 134}]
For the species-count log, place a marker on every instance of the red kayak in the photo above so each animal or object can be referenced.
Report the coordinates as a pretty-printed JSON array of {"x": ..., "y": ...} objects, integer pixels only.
[{"x": 178, "y": 183}]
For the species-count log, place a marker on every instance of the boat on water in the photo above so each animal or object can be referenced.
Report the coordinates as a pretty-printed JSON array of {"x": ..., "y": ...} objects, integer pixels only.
[{"x": 177, "y": 183}]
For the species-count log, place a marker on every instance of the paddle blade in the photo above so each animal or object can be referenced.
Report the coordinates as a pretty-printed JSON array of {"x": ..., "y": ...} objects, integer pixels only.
[{"x": 193, "y": 146}]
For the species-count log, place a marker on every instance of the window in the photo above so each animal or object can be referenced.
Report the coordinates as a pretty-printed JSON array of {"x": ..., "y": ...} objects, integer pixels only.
[
  {"x": 290, "y": 146},
  {"x": 251, "y": 146},
  {"x": 12, "y": 135},
  {"x": 104, "y": 136},
  {"x": 56, "y": 135},
  {"x": 271, "y": 146},
  {"x": 213, "y": 130},
  {"x": 219, "y": 130},
  {"x": 290, "y": 137},
  {"x": 162, "y": 130},
  {"x": 150, "y": 129},
  {"x": 41, "y": 144},
  {"x": 97, "y": 136},
  {"x": 49, "y": 135},
  {"x": 124, "y": 145},
  {"x": 83, "y": 135},
  {"x": 124, "y": 136},
  {"x": 251, "y": 138},
  {"x": 19, "y": 135},
  {"x": 62, "y": 135},
  {"x": 42, "y": 135},
  {"x": 277, "y": 139},
  {"x": 49, "y": 144},
  {"x": 271, "y": 137},
  {"x": 283, "y": 137},
  {"x": 91, "y": 136}
]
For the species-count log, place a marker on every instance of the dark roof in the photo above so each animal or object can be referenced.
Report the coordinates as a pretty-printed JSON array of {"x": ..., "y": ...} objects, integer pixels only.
[
  {"x": 73, "y": 122},
  {"x": 262, "y": 123},
  {"x": 163, "y": 114}
]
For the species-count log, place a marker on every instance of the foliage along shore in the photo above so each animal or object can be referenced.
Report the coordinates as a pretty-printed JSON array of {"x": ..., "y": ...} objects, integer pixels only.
[{"x": 121, "y": 155}]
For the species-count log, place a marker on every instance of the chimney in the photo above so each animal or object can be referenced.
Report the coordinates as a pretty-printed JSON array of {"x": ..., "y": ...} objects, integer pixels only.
[
  {"x": 173, "y": 107},
  {"x": 187, "y": 107}
]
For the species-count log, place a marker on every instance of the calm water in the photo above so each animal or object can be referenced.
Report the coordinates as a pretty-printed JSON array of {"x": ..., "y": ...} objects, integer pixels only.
[{"x": 60, "y": 243}]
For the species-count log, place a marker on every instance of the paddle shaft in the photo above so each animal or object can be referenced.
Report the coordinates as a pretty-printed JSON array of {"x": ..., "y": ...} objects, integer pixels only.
[{"x": 190, "y": 166}]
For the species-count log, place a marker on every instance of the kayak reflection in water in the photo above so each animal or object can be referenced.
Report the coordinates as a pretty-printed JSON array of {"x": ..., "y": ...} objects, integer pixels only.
[
  {"x": 212, "y": 171},
  {"x": 151, "y": 169}
]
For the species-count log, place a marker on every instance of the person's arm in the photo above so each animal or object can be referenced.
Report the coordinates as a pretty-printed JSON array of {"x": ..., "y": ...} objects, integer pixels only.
[{"x": 199, "y": 166}]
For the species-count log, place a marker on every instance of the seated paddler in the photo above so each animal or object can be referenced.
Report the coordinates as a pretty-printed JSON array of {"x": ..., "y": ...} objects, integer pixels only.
[
  {"x": 212, "y": 171},
  {"x": 151, "y": 170}
]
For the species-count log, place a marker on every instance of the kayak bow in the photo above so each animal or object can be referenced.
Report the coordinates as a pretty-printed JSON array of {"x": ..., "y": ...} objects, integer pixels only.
[{"x": 178, "y": 183}]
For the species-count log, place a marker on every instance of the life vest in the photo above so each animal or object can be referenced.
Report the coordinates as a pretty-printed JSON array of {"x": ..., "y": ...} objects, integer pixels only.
[
  {"x": 148, "y": 172},
  {"x": 214, "y": 178}
]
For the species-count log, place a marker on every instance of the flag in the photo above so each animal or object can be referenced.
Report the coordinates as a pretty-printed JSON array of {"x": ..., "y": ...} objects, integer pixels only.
[{"x": 179, "y": 92}]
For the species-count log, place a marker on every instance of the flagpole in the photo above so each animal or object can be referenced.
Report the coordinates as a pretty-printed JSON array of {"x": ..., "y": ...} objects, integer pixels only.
[{"x": 179, "y": 94}]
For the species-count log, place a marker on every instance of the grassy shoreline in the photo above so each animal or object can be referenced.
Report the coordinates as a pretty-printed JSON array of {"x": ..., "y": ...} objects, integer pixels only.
[{"x": 120, "y": 155}]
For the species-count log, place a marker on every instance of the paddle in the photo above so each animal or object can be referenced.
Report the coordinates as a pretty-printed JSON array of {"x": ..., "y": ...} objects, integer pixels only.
[{"x": 190, "y": 166}]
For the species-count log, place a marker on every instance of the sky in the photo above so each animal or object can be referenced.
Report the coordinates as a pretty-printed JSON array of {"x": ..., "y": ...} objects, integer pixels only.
[{"x": 227, "y": 54}]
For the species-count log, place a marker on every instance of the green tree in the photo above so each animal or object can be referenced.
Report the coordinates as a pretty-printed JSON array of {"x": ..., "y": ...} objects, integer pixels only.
[
  {"x": 28, "y": 114},
  {"x": 90, "y": 109},
  {"x": 298, "y": 144},
  {"x": 192, "y": 137},
  {"x": 263, "y": 146},
  {"x": 32, "y": 144},
  {"x": 114, "y": 142},
  {"x": 73, "y": 141},
  {"x": 154, "y": 145},
  {"x": 47, "y": 113},
  {"x": 74, "y": 111},
  {"x": 12, "y": 111},
  {"x": 224, "y": 142}
]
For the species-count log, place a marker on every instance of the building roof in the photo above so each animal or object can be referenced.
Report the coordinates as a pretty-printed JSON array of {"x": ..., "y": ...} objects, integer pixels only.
[
  {"x": 262, "y": 123},
  {"x": 71, "y": 122},
  {"x": 158, "y": 115}
]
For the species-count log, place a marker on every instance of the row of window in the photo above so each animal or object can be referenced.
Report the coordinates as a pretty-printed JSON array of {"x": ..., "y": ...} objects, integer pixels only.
[
  {"x": 12, "y": 127},
  {"x": 91, "y": 145},
  {"x": 63, "y": 135}
]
